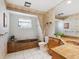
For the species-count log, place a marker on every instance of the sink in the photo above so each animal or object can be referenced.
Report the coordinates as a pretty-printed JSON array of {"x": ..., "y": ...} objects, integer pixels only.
[{"x": 73, "y": 42}]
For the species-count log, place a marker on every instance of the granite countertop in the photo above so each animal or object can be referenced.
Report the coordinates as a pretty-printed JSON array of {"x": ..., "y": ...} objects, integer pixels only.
[{"x": 68, "y": 51}]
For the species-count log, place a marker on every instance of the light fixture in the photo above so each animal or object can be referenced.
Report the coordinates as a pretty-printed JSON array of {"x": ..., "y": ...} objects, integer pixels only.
[
  {"x": 69, "y": 2},
  {"x": 27, "y": 4},
  {"x": 60, "y": 14}
]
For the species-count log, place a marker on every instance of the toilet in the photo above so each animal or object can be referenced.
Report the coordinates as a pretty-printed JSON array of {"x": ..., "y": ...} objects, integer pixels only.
[{"x": 42, "y": 45}]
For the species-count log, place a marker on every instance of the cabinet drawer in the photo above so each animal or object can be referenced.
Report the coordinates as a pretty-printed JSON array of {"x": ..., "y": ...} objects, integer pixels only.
[
  {"x": 22, "y": 46},
  {"x": 55, "y": 55},
  {"x": 14, "y": 46}
]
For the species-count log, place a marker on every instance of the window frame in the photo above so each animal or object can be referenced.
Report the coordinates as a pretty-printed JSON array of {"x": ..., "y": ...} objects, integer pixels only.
[{"x": 27, "y": 25}]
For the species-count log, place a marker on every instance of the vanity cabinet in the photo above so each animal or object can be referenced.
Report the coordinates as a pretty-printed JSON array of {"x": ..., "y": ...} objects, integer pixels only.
[
  {"x": 55, "y": 55},
  {"x": 14, "y": 46},
  {"x": 52, "y": 43},
  {"x": 3, "y": 46},
  {"x": 11, "y": 46}
]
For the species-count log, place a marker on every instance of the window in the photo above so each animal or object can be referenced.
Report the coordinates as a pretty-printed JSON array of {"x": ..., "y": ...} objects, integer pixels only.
[{"x": 22, "y": 23}]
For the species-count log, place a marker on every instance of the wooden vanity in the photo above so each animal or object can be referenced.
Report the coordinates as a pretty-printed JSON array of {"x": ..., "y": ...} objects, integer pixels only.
[
  {"x": 53, "y": 43},
  {"x": 14, "y": 46},
  {"x": 67, "y": 51},
  {"x": 55, "y": 55},
  {"x": 58, "y": 50}
]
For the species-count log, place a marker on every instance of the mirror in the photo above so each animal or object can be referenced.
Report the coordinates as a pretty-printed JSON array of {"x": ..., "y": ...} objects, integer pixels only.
[{"x": 68, "y": 12}]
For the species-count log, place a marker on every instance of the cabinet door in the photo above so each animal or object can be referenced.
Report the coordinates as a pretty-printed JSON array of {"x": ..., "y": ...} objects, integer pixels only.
[
  {"x": 11, "y": 47},
  {"x": 3, "y": 46},
  {"x": 26, "y": 45},
  {"x": 55, "y": 55},
  {"x": 2, "y": 11},
  {"x": 53, "y": 43},
  {"x": 4, "y": 22},
  {"x": 2, "y": 29}
]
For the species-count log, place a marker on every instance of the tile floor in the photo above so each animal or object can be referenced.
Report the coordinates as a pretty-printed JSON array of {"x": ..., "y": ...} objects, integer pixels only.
[{"x": 34, "y": 53}]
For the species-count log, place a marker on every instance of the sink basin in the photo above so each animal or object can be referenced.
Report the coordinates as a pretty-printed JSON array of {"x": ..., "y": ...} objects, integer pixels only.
[{"x": 73, "y": 42}]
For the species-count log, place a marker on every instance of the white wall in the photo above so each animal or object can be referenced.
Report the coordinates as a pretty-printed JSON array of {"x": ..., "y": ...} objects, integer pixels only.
[
  {"x": 39, "y": 31},
  {"x": 59, "y": 26},
  {"x": 49, "y": 29},
  {"x": 21, "y": 33}
]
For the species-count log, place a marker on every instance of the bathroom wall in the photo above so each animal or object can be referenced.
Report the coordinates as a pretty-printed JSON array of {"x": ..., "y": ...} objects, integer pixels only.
[
  {"x": 24, "y": 33},
  {"x": 49, "y": 28},
  {"x": 59, "y": 26},
  {"x": 73, "y": 29}
]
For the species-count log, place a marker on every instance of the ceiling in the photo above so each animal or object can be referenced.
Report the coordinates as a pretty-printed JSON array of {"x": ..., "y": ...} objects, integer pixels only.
[
  {"x": 42, "y": 5},
  {"x": 68, "y": 9},
  {"x": 45, "y": 5}
]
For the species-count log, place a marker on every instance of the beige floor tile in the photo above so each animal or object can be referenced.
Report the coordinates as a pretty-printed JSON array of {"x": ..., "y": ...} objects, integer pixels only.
[{"x": 35, "y": 53}]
